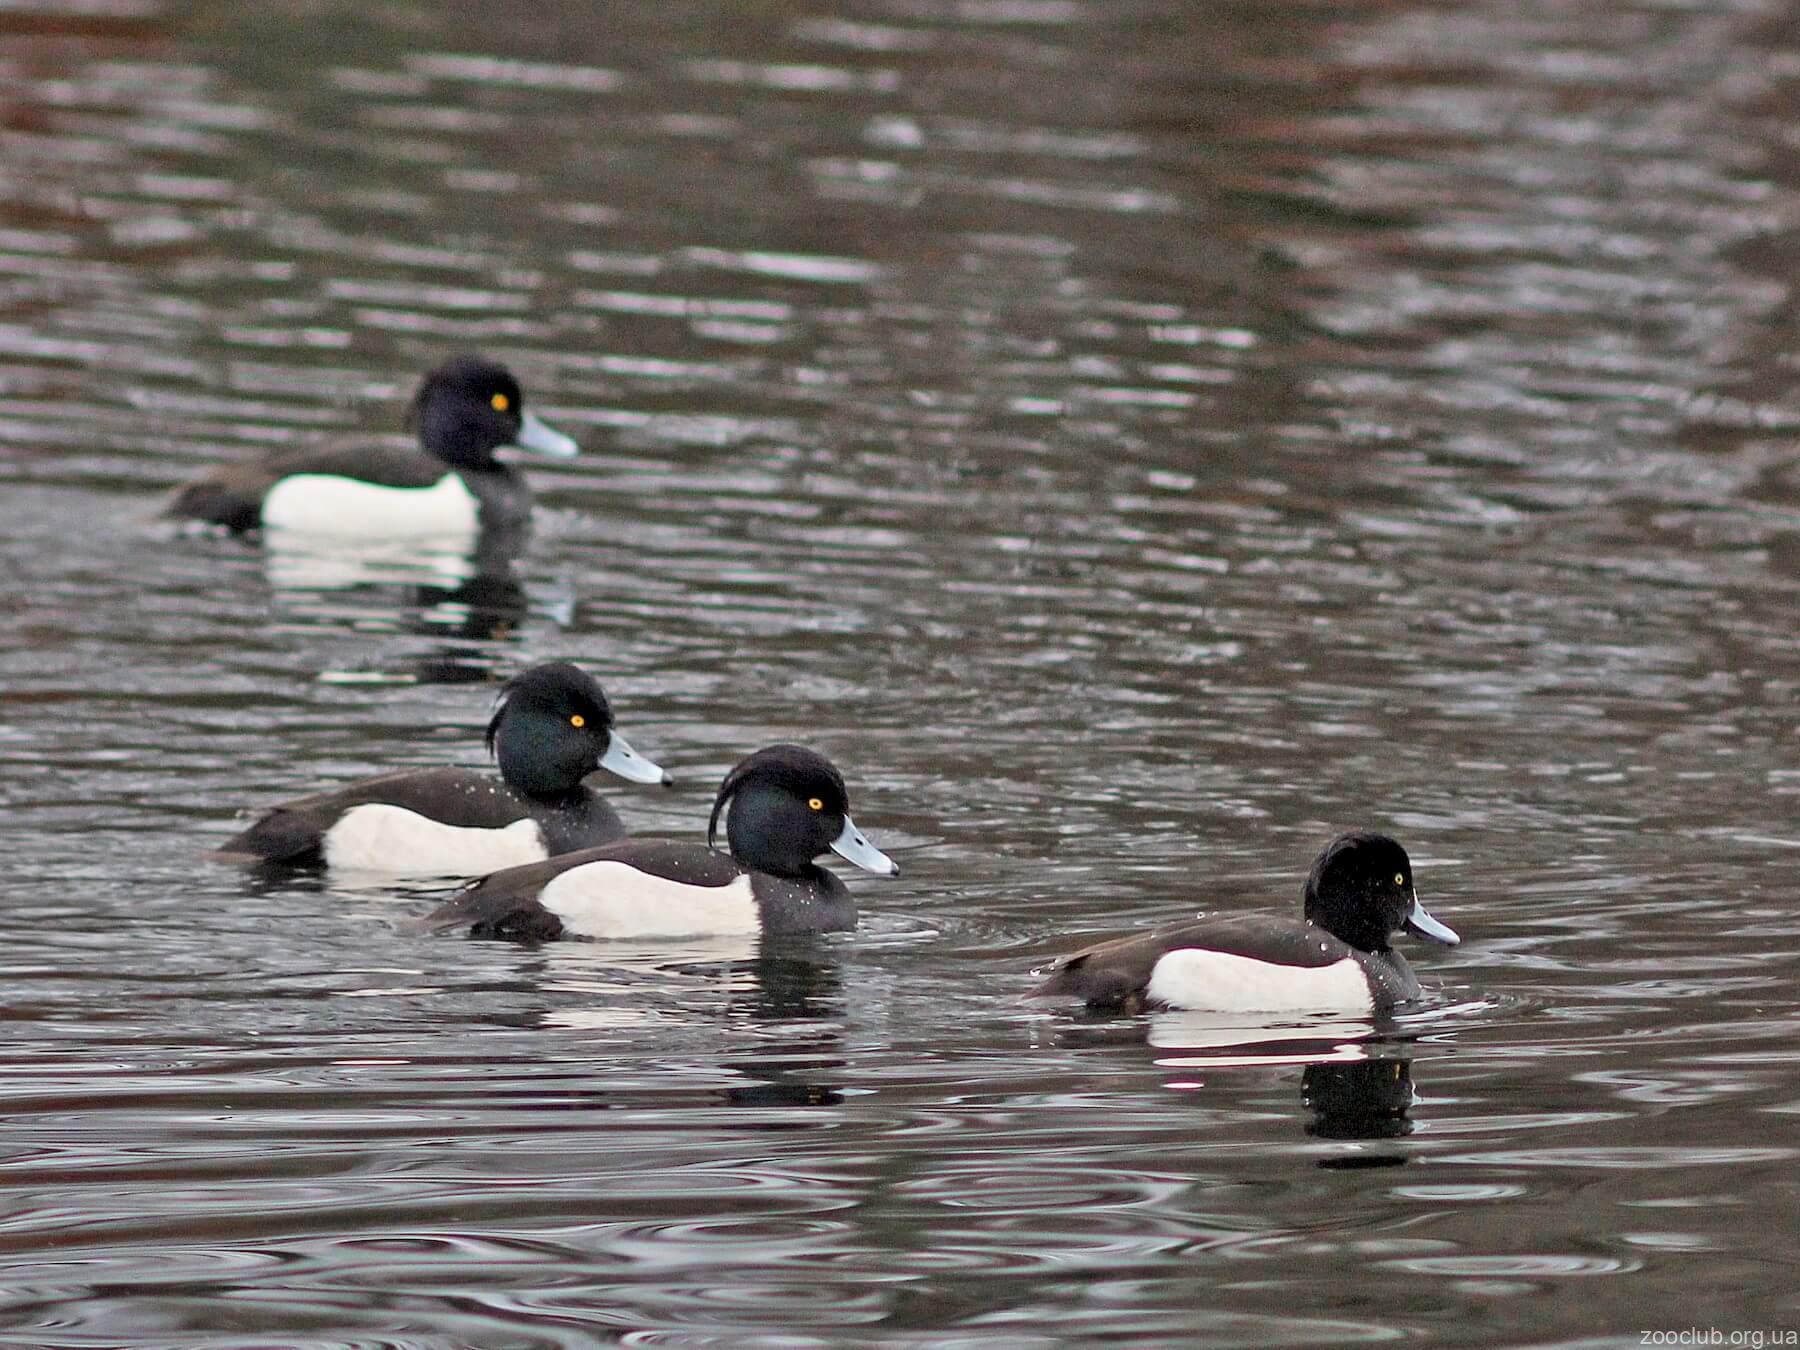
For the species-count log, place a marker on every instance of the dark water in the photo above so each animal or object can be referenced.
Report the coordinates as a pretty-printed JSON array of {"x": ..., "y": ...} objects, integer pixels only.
[{"x": 1136, "y": 440}]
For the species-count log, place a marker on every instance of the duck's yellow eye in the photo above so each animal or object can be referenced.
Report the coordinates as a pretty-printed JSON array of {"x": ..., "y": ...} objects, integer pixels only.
[
  {"x": 501, "y": 402},
  {"x": 578, "y": 721},
  {"x": 815, "y": 803},
  {"x": 1399, "y": 878}
]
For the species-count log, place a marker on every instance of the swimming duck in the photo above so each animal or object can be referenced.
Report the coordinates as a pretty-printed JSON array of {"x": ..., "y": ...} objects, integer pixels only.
[
  {"x": 1336, "y": 959},
  {"x": 551, "y": 727},
  {"x": 449, "y": 482},
  {"x": 783, "y": 806}
]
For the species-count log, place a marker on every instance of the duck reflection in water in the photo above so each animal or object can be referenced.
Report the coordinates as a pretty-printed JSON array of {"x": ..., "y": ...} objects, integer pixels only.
[
  {"x": 467, "y": 598},
  {"x": 1359, "y": 1099},
  {"x": 740, "y": 981},
  {"x": 1353, "y": 1090},
  {"x": 746, "y": 979},
  {"x": 467, "y": 588}
]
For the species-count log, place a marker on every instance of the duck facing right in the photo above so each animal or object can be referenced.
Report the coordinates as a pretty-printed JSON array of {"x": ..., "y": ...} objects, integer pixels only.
[
  {"x": 783, "y": 807},
  {"x": 1337, "y": 957}
]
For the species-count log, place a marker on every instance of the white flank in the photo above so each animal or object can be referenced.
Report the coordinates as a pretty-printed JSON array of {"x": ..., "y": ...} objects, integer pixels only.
[
  {"x": 382, "y": 838},
  {"x": 615, "y": 900},
  {"x": 1219, "y": 982},
  {"x": 321, "y": 503}
]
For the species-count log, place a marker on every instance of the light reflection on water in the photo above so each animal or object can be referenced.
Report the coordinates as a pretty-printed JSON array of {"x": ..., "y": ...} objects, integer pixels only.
[{"x": 1136, "y": 442}]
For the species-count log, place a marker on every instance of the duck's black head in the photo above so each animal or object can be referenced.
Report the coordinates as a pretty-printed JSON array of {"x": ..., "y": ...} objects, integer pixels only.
[
  {"x": 788, "y": 805},
  {"x": 1361, "y": 890},
  {"x": 552, "y": 727},
  {"x": 469, "y": 407}
]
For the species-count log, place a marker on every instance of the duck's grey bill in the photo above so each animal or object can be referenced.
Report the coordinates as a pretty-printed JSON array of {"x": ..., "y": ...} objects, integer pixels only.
[
  {"x": 621, "y": 759},
  {"x": 1421, "y": 925},
  {"x": 539, "y": 436},
  {"x": 852, "y": 847}
]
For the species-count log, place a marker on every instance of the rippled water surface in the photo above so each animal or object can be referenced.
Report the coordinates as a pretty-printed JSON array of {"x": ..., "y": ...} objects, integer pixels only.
[{"x": 1135, "y": 440}]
